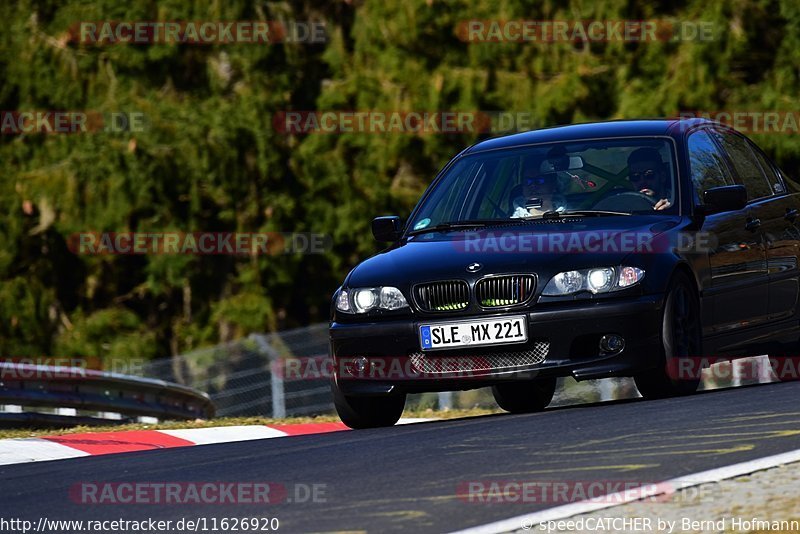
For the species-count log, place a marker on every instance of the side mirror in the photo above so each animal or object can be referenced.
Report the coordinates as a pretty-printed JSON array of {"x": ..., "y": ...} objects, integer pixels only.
[
  {"x": 387, "y": 228},
  {"x": 725, "y": 198}
]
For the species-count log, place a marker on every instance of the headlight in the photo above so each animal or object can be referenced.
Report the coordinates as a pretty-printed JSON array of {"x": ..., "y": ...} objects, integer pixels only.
[
  {"x": 629, "y": 276},
  {"x": 365, "y": 299},
  {"x": 565, "y": 283},
  {"x": 598, "y": 280},
  {"x": 392, "y": 299},
  {"x": 343, "y": 301}
]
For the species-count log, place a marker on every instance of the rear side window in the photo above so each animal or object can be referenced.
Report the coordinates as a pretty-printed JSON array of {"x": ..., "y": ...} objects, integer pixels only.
[
  {"x": 748, "y": 170},
  {"x": 706, "y": 165},
  {"x": 773, "y": 179}
]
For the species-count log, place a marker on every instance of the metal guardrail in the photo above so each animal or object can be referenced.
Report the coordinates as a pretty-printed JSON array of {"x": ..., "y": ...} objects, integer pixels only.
[{"x": 94, "y": 391}]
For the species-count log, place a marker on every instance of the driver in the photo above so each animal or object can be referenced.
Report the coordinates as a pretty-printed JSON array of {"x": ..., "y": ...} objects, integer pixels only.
[
  {"x": 646, "y": 171},
  {"x": 539, "y": 194}
]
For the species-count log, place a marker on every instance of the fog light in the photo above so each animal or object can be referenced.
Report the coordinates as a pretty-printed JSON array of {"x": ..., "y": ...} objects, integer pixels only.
[
  {"x": 612, "y": 343},
  {"x": 360, "y": 364}
]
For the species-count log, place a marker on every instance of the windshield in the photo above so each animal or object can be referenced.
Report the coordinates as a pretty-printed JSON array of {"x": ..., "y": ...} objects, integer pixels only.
[{"x": 631, "y": 175}]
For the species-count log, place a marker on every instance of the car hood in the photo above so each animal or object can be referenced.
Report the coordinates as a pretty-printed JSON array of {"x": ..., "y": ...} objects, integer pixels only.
[{"x": 543, "y": 246}]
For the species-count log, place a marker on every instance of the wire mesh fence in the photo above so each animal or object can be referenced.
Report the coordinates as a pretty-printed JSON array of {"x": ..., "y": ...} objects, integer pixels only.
[{"x": 245, "y": 378}]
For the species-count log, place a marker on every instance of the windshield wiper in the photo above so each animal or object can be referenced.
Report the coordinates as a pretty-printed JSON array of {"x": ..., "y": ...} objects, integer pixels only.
[{"x": 459, "y": 225}]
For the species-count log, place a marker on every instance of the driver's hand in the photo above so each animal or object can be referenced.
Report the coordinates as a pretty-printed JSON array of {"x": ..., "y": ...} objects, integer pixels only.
[
  {"x": 648, "y": 192},
  {"x": 662, "y": 204},
  {"x": 519, "y": 213}
]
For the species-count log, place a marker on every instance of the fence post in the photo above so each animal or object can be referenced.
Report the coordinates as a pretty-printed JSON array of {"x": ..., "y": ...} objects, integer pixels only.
[
  {"x": 276, "y": 377},
  {"x": 278, "y": 399}
]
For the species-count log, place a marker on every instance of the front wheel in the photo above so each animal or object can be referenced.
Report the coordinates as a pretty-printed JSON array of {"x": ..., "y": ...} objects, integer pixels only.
[
  {"x": 681, "y": 339},
  {"x": 525, "y": 397},
  {"x": 367, "y": 412}
]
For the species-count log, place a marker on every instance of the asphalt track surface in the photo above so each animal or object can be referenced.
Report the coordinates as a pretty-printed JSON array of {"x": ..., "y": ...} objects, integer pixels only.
[{"x": 407, "y": 477}]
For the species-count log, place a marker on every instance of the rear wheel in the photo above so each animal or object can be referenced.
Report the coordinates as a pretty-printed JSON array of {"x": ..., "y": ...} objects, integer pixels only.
[
  {"x": 525, "y": 397},
  {"x": 368, "y": 412},
  {"x": 681, "y": 338}
]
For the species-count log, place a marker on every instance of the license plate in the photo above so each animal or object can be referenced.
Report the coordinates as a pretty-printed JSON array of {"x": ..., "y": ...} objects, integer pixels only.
[{"x": 497, "y": 331}]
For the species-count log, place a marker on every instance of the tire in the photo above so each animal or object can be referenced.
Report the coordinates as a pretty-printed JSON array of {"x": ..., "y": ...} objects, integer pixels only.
[
  {"x": 525, "y": 397},
  {"x": 681, "y": 337},
  {"x": 368, "y": 412}
]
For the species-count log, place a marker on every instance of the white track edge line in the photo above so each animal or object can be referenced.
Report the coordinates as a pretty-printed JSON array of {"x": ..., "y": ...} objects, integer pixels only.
[
  {"x": 195, "y": 437},
  {"x": 617, "y": 499}
]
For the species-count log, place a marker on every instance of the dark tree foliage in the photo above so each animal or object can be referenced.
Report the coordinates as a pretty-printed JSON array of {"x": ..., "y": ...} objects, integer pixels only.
[{"x": 210, "y": 159}]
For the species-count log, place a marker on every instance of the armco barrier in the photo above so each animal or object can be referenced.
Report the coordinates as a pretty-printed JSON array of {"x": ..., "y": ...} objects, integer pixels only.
[{"x": 39, "y": 386}]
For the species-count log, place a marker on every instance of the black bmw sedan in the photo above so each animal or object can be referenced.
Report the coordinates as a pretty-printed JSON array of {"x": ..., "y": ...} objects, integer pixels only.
[{"x": 647, "y": 249}]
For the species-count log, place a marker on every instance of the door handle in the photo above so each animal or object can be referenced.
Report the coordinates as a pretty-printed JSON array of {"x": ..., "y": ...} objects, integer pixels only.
[
  {"x": 752, "y": 224},
  {"x": 791, "y": 214}
]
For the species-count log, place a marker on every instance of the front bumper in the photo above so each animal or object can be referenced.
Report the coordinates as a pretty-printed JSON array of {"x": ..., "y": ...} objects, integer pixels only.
[{"x": 571, "y": 331}]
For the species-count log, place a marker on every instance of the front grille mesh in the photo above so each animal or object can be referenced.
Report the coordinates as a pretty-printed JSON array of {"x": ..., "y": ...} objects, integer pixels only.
[
  {"x": 440, "y": 364},
  {"x": 449, "y": 295},
  {"x": 507, "y": 290}
]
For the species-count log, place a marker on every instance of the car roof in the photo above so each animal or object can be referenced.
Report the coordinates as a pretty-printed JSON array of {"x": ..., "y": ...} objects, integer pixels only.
[{"x": 593, "y": 130}]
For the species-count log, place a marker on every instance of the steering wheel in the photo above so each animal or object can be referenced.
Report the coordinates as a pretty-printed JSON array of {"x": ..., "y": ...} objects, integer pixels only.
[{"x": 626, "y": 201}]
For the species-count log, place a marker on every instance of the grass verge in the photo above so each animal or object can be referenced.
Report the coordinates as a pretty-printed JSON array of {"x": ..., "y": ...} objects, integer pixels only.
[{"x": 225, "y": 421}]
